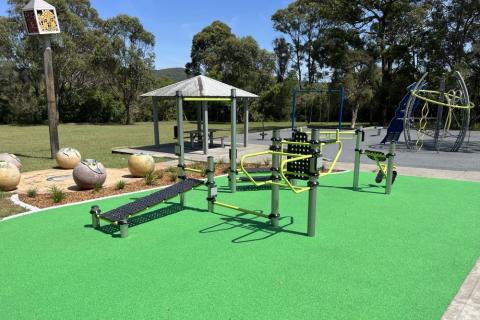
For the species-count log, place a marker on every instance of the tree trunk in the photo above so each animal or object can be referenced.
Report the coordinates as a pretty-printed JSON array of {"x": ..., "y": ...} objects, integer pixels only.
[{"x": 355, "y": 115}]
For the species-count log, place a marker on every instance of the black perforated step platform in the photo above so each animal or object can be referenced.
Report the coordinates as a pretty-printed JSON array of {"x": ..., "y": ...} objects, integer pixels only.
[
  {"x": 123, "y": 212},
  {"x": 258, "y": 170}
]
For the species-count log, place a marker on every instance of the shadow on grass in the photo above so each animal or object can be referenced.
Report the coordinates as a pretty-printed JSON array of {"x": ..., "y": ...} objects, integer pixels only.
[
  {"x": 32, "y": 157},
  {"x": 379, "y": 189},
  {"x": 257, "y": 230},
  {"x": 114, "y": 230}
]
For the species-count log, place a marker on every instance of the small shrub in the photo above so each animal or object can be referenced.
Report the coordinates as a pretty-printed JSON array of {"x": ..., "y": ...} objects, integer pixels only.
[
  {"x": 173, "y": 176},
  {"x": 171, "y": 169},
  {"x": 57, "y": 194},
  {"x": 97, "y": 187},
  {"x": 160, "y": 174},
  {"x": 257, "y": 164},
  {"x": 150, "y": 178},
  {"x": 221, "y": 161},
  {"x": 120, "y": 185},
  {"x": 226, "y": 170},
  {"x": 32, "y": 192}
]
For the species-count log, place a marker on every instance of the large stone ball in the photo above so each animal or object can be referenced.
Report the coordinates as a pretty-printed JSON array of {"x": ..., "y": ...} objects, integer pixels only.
[
  {"x": 9, "y": 157},
  {"x": 140, "y": 164},
  {"x": 9, "y": 176},
  {"x": 89, "y": 173},
  {"x": 68, "y": 158}
]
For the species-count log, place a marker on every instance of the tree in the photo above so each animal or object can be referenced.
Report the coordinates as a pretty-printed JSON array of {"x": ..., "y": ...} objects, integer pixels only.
[
  {"x": 126, "y": 58},
  {"x": 282, "y": 50}
]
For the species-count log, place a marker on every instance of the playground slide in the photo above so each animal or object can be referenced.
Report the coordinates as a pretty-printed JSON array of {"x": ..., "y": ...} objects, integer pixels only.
[{"x": 395, "y": 127}]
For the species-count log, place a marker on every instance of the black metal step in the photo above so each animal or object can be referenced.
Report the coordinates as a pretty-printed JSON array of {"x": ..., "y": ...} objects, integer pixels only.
[
  {"x": 258, "y": 179},
  {"x": 258, "y": 170},
  {"x": 123, "y": 212}
]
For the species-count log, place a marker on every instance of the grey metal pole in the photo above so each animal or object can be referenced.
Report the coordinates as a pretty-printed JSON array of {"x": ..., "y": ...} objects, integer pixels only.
[
  {"x": 95, "y": 212},
  {"x": 205, "y": 127},
  {"x": 439, "y": 124},
  {"x": 358, "y": 152},
  {"x": 180, "y": 143},
  {"x": 390, "y": 163},
  {"x": 123, "y": 228},
  {"x": 276, "y": 146},
  {"x": 233, "y": 141},
  {"x": 245, "y": 122},
  {"x": 313, "y": 183},
  {"x": 51, "y": 98},
  {"x": 212, "y": 188},
  {"x": 156, "y": 132}
]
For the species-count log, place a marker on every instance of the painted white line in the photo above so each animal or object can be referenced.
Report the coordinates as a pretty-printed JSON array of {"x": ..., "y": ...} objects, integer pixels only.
[{"x": 16, "y": 200}]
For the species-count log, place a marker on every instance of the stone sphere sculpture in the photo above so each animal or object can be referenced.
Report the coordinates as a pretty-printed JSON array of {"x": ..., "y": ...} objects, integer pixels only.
[
  {"x": 140, "y": 164},
  {"x": 9, "y": 157},
  {"x": 68, "y": 158},
  {"x": 89, "y": 173},
  {"x": 9, "y": 176}
]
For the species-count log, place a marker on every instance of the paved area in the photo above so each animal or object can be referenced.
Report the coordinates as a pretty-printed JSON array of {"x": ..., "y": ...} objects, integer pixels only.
[
  {"x": 468, "y": 159},
  {"x": 466, "y": 304}
]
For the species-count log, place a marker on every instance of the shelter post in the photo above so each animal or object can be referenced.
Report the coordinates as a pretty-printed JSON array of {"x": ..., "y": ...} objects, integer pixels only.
[
  {"x": 233, "y": 143},
  {"x": 156, "y": 132},
  {"x": 205, "y": 127},
  {"x": 245, "y": 122},
  {"x": 180, "y": 145}
]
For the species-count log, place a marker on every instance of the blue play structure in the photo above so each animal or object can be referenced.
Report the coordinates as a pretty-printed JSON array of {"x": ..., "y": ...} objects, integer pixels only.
[{"x": 395, "y": 127}]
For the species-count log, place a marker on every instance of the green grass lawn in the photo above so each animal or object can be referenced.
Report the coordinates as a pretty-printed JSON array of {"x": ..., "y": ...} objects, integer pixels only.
[
  {"x": 31, "y": 143},
  {"x": 402, "y": 256},
  {"x": 7, "y": 208}
]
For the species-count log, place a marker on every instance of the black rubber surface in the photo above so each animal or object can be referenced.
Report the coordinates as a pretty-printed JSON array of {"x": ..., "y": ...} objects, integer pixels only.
[
  {"x": 258, "y": 179},
  {"x": 258, "y": 170},
  {"x": 122, "y": 213}
]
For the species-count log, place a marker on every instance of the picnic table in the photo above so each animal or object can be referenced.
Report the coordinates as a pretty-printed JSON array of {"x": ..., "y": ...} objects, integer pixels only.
[{"x": 198, "y": 136}]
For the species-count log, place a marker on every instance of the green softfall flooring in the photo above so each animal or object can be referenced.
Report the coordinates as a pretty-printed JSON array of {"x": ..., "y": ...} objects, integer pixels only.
[{"x": 402, "y": 256}]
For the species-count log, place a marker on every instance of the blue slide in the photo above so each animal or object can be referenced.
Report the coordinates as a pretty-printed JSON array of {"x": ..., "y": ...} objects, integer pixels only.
[{"x": 395, "y": 128}]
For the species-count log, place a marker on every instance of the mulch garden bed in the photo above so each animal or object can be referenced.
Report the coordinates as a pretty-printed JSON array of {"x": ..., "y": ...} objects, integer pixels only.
[{"x": 165, "y": 177}]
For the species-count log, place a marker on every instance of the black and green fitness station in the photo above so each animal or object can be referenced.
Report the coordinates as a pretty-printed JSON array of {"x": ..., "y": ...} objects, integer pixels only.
[{"x": 297, "y": 164}]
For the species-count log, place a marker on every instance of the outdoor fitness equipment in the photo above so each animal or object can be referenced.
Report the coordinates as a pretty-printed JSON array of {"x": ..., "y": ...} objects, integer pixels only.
[
  {"x": 301, "y": 163},
  {"x": 386, "y": 172},
  {"x": 120, "y": 215},
  {"x": 448, "y": 126},
  {"x": 295, "y": 92}
]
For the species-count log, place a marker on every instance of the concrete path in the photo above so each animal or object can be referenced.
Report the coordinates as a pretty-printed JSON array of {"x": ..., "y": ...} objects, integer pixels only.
[{"x": 466, "y": 304}]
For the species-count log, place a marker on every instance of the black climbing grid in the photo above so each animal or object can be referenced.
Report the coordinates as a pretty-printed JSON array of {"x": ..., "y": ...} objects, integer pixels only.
[{"x": 300, "y": 166}]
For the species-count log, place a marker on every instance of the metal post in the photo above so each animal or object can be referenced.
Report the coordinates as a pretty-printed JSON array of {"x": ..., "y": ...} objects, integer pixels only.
[
  {"x": 359, "y": 133},
  {"x": 294, "y": 107},
  {"x": 439, "y": 124},
  {"x": 276, "y": 146},
  {"x": 51, "y": 101},
  {"x": 156, "y": 132},
  {"x": 233, "y": 147},
  {"x": 340, "y": 116},
  {"x": 123, "y": 228},
  {"x": 205, "y": 127},
  {"x": 95, "y": 212},
  {"x": 212, "y": 188},
  {"x": 313, "y": 183},
  {"x": 245, "y": 122},
  {"x": 390, "y": 163},
  {"x": 180, "y": 144}
]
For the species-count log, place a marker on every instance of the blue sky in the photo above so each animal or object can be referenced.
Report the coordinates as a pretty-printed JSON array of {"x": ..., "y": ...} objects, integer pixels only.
[{"x": 175, "y": 22}]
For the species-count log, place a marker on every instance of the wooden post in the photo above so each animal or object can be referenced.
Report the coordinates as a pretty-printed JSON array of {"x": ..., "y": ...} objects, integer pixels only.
[{"x": 51, "y": 103}]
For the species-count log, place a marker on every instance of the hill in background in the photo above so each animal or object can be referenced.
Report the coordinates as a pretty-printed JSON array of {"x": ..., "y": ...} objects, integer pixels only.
[{"x": 174, "y": 74}]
